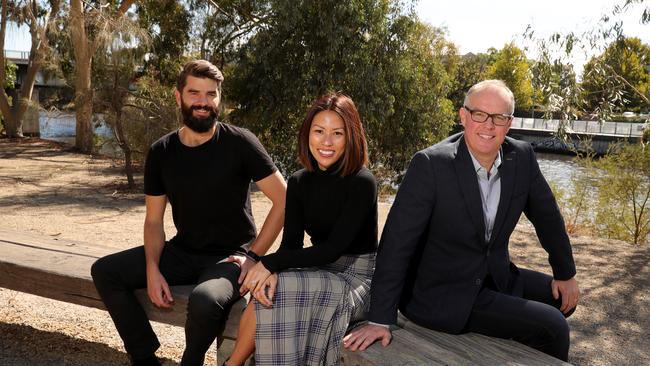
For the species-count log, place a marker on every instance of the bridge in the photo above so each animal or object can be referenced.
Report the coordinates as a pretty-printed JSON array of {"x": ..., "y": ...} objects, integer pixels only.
[
  {"x": 581, "y": 135},
  {"x": 43, "y": 86},
  {"x": 17, "y": 57},
  {"x": 21, "y": 59}
]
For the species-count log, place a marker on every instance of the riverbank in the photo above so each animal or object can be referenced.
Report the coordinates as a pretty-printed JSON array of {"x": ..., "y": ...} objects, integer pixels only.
[{"x": 47, "y": 189}]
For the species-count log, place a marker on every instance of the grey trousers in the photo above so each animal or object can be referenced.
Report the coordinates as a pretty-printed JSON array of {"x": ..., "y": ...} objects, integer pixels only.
[{"x": 117, "y": 275}]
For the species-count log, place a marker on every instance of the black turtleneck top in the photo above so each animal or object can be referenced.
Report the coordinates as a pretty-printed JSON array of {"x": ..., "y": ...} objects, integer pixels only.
[{"x": 338, "y": 213}]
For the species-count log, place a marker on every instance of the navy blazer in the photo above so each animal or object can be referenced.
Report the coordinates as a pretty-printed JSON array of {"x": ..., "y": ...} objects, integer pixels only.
[{"x": 433, "y": 255}]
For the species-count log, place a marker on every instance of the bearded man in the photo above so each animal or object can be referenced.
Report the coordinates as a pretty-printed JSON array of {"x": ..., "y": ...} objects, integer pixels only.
[{"x": 203, "y": 170}]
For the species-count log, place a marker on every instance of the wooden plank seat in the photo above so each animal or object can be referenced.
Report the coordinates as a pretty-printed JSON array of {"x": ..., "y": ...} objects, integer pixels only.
[{"x": 60, "y": 270}]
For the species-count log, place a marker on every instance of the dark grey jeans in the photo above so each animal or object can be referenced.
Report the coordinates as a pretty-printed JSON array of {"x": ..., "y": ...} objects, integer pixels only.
[{"x": 117, "y": 275}]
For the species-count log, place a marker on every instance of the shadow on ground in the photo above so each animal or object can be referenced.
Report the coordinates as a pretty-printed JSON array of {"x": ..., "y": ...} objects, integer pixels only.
[
  {"x": 46, "y": 174},
  {"x": 22, "y": 345}
]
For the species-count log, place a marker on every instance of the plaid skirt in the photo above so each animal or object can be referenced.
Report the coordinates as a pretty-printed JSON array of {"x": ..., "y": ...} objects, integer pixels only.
[{"x": 311, "y": 311}]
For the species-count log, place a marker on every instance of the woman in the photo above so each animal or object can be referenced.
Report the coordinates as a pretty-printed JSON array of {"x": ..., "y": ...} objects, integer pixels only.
[{"x": 305, "y": 297}]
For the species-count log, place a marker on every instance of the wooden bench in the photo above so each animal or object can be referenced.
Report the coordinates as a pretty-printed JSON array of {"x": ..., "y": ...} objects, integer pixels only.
[{"x": 60, "y": 270}]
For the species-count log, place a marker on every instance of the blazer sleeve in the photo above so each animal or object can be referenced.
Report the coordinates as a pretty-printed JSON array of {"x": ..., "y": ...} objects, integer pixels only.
[
  {"x": 543, "y": 212},
  {"x": 405, "y": 225}
]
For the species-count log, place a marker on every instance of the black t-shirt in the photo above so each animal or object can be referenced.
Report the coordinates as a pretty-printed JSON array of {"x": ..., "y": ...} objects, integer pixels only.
[
  {"x": 208, "y": 187},
  {"x": 338, "y": 213}
]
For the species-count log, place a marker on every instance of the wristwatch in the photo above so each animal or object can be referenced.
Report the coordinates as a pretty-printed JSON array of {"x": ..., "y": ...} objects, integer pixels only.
[{"x": 252, "y": 255}]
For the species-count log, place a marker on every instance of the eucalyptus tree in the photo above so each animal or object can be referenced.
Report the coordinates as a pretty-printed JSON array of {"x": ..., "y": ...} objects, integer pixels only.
[
  {"x": 395, "y": 68},
  {"x": 40, "y": 18},
  {"x": 511, "y": 65},
  {"x": 472, "y": 69},
  {"x": 92, "y": 25},
  {"x": 222, "y": 27},
  {"x": 611, "y": 89},
  {"x": 169, "y": 24},
  {"x": 610, "y": 80},
  {"x": 115, "y": 75},
  {"x": 619, "y": 76}
]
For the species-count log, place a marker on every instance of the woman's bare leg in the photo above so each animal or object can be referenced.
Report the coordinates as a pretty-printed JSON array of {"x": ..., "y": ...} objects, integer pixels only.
[{"x": 245, "y": 343}]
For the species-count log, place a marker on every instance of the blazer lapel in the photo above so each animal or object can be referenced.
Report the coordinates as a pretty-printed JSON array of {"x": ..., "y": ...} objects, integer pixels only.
[
  {"x": 507, "y": 171},
  {"x": 468, "y": 184}
]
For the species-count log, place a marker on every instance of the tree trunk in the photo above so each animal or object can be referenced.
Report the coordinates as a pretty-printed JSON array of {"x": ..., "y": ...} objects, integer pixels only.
[
  {"x": 14, "y": 113},
  {"x": 23, "y": 97},
  {"x": 83, "y": 50},
  {"x": 12, "y": 121},
  {"x": 13, "y": 129},
  {"x": 126, "y": 148},
  {"x": 84, "y": 108}
]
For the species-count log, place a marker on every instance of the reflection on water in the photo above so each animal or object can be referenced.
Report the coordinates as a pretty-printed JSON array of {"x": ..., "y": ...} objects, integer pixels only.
[
  {"x": 559, "y": 169},
  {"x": 60, "y": 126}
]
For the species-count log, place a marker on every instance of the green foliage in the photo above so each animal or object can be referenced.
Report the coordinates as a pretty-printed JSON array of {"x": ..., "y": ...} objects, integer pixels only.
[
  {"x": 168, "y": 23},
  {"x": 511, "y": 65},
  {"x": 619, "y": 78},
  {"x": 150, "y": 113},
  {"x": 556, "y": 90},
  {"x": 10, "y": 80},
  {"x": 221, "y": 28},
  {"x": 471, "y": 70},
  {"x": 624, "y": 193},
  {"x": 395, "y": 68},
  {"x": 10, "y": 75},
  {"x": 645, "y": 13}
]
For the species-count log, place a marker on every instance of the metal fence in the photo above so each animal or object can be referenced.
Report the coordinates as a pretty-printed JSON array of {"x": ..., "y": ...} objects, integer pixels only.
[
  {"x": 16, "y": 55},
  {"x": 628, "y": 129}
]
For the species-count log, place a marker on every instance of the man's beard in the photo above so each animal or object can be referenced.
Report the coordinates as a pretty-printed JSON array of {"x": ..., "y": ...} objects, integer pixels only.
[{"x": 198, "y": 124}]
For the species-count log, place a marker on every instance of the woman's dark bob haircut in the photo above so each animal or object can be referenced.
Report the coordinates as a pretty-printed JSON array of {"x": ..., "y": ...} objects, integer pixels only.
[{"x": 356, "y": 147}]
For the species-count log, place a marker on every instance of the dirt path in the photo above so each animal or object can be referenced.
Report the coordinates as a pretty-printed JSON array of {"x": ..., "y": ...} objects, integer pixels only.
[{"x": 48, "y": 190}]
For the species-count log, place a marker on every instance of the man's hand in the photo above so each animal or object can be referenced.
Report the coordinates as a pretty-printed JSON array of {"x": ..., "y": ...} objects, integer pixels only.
[
  {"x": 245, "y": 264},
  {"x": 158, "y": 289},
  {"x": 363, "y": 337},
  {"x": 569, "y": 291},
  {"x": 254, "y": 278}
]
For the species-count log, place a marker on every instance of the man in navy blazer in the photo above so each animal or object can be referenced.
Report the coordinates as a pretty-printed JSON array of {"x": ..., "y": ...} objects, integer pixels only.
[{"x": 443, "y": 259}]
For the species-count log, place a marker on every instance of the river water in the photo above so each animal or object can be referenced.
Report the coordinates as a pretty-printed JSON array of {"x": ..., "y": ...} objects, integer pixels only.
[
  {"x": 59, "y": 126},
  {"x": 559, "y": 169}
]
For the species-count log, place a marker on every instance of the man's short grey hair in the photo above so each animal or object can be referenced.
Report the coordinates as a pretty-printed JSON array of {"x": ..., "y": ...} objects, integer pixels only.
[{"x": 485, "y": 84}]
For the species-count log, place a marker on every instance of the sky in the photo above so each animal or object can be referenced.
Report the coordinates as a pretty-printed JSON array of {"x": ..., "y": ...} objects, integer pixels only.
[
  {"x": 476, "y": 25},
  {"x": 17, "y": 39}
]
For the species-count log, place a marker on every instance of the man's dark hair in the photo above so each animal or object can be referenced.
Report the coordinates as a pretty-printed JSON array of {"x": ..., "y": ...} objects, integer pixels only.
[{"x": 198, "y": 69}]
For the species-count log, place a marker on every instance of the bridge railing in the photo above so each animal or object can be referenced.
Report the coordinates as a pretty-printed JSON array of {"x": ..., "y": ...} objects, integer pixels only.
[
  {"x": 16, "y": 55},
  {"x": 627, "y": 129}
]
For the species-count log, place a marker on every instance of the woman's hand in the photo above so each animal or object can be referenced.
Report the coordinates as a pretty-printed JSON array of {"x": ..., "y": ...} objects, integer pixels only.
[
  {"x": 264, "y": 293},
  {"x": 254, "y": 278}
]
